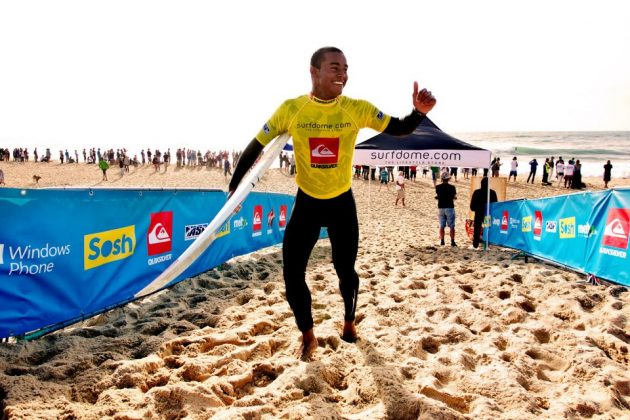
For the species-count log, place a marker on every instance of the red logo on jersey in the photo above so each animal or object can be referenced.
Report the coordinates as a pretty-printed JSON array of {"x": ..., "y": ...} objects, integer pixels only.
[
  {"x": 504, "y": 222},
  {"x": 617, "y": 226},
  {"x": 324, "y": 152},
  {"x": 282, "y": 220},
  {"x": 160, "y": 233},
  {"x": 538, "y": 222},
  {"x": 258, "y": 214}
]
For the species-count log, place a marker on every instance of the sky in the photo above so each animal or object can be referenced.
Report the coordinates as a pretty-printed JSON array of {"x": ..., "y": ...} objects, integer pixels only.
[{"x": 207, "y": 75}]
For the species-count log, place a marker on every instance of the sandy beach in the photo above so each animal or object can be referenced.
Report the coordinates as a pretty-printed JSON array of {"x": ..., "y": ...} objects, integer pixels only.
[{"x": 448, "y": 333}]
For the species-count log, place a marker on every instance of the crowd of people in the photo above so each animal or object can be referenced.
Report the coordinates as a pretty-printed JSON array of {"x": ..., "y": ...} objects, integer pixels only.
[
  {"x": 122, "y": 158},
  {"x": 567, "y": 174}
]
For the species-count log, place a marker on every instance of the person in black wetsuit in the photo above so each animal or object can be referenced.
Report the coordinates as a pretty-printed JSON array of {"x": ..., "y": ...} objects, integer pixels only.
[
  {"x": 324, "y": 125},
  {"x": 478, "y": 203}
]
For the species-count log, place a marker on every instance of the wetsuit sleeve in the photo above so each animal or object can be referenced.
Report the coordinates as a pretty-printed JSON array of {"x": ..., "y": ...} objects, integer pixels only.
[
  {"x": 246, "y": 161},
  {"x": 401, "y": 127}
]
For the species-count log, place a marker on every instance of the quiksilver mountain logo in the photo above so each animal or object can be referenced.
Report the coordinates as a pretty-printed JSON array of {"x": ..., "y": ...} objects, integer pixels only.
[
  {"x": 257, "y": 220},
  {"x": 160, "y": 233},
  {"x": 616, "y": 231},
  {"x": 324, "y": 152}
]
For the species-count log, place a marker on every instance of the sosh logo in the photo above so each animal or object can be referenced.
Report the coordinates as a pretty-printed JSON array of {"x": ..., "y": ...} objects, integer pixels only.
[{"x": 111, "y": 245}]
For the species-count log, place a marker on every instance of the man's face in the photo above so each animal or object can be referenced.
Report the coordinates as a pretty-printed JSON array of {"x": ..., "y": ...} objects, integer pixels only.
[{"x": 331, "y": 77}]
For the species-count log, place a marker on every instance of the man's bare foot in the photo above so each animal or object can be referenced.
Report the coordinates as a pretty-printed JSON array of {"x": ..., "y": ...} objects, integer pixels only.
[
  {"x": 309, "y": 345},
  {"x": 349, "y": 332}
]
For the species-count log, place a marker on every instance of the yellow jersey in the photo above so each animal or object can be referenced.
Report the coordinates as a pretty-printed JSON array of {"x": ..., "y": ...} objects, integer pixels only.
[{"x": 324, "y": 135}]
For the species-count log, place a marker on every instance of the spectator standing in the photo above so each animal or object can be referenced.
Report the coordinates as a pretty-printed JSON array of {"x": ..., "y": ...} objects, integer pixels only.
[
  {"x": 384, "y": 177},
  {"x": 568, "y": 174},
  {"x": 576, "y": 181},
  {"x": 607, "y": 173},
  {"x": 104, "y": 166},
  {"x": 435, "y": 173},
  {"x": 413, "y": 170},
  {"x": 454, "y": 172},
  {"x": 560, "y": 170},
  {"x": 446, "y": 194},
  {"x": 226, "y": 168},
  {"x": 496, "y": 167},
  {"x": 513, "y": 166},
  {"x": 533, "y": 165},
  {"x": 546, "y": 169},
  {"x": 478, "y": 204},
  {"x": 400, "y": 188}
]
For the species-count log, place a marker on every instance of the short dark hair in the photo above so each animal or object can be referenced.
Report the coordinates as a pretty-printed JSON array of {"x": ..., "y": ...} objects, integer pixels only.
[{"x": 318, "y": 56}]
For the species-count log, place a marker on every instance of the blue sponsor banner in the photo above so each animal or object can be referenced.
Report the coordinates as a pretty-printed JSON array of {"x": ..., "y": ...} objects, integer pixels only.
[
  {"x": 585, "y": 231},
  {"x": 69, "y": 254}
]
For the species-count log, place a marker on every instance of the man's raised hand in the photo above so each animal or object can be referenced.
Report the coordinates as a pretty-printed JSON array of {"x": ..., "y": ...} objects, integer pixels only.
[{"x": 423, "y": 100}]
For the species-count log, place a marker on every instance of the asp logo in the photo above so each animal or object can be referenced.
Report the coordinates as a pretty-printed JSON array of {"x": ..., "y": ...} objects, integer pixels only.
[
  {"x": 108, "y": 246},
  {"x": 194, "y": 231},
  {"x": 159, "y": 236},
  {"x": 324, "y": 152},
  {"x": 617, "y": 227},
  {"x": 567, "y": 227},
  {"x": 527, "y": 224}
]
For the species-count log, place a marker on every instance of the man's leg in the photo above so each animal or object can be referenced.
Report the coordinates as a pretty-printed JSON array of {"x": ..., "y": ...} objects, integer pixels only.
[
  {"x": 451, "y": 225},
  {"x": 343, "y": 232},
  {"x": 299, "y": 239}
]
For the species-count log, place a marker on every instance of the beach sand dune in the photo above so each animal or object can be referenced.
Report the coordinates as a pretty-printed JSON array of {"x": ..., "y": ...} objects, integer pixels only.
[{"x": 447, "y": 333}]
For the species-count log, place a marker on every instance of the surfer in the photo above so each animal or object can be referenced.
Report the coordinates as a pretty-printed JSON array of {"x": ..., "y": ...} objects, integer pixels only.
[{"x": 324, "y": 125}]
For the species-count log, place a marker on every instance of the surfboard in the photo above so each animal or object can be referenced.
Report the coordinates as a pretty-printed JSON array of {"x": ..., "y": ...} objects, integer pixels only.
[{"x": 208, "y": 236}]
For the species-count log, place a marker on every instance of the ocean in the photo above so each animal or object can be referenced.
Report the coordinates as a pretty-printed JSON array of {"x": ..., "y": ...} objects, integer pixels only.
[{"x": 592, "y": 148}]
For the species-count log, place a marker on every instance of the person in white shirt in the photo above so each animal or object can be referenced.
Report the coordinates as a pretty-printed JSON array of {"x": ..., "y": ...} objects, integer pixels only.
[
  {"x": 560, "y": 170},
  {"x": 568, "y": 174},
  {"x": 513, "y": 166}
]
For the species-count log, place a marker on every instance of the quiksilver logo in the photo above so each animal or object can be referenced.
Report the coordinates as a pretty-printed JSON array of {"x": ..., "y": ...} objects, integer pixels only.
[
  {"x": 615, "y": 229},
  {"x": 322, "y": 151},
  {"x": 158, "y": 234}
]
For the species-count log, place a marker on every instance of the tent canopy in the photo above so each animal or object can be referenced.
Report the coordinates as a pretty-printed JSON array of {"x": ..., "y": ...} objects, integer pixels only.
[{"x": 426, "y": 146}]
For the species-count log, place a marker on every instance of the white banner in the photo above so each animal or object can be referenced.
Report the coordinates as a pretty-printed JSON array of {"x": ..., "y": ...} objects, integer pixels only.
[{"x": 436, "y": 157}]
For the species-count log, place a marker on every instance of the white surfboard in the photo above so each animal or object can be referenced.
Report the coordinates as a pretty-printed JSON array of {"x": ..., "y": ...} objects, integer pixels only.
[{"x": 209, "y": 234}]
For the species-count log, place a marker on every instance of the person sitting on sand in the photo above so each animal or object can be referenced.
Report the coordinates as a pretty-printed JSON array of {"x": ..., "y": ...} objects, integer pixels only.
[
  {"x": 2, "y": 177},
  {"x": 325, "y": 121}
]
